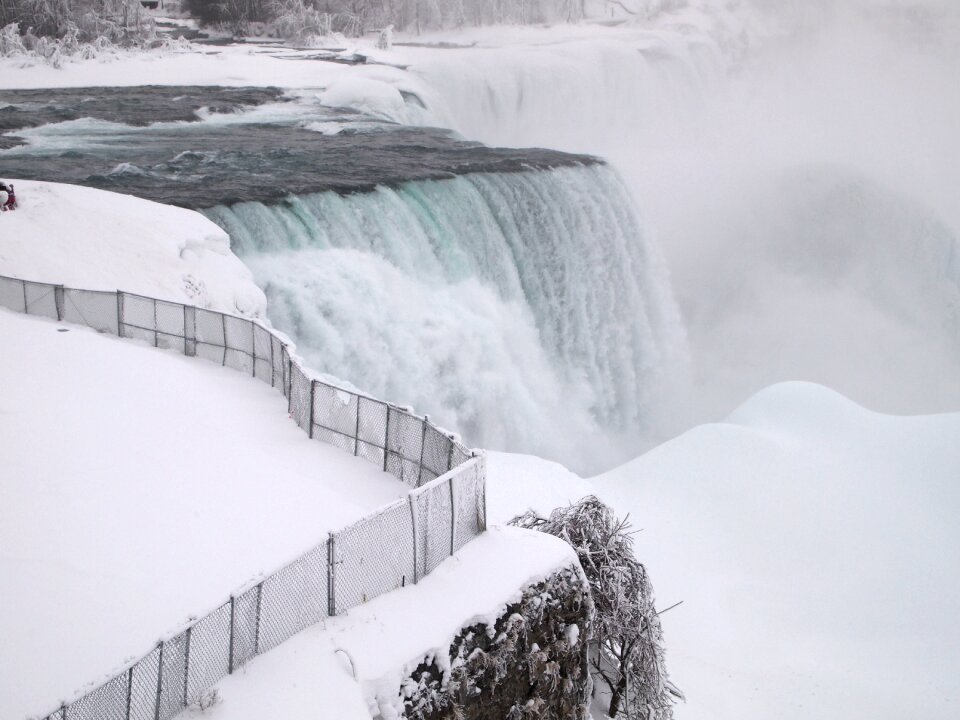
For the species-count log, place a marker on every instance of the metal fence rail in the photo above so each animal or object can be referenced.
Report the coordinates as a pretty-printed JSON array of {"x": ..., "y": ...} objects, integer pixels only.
[{"x": 396, "y": 545}]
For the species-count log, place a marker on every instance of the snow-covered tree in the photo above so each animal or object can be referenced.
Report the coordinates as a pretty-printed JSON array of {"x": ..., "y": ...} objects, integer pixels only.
[
  {"x": 627, "y": 643},
  {"x": 77, "y": 21},
  {"x": 357, "y": 17}
]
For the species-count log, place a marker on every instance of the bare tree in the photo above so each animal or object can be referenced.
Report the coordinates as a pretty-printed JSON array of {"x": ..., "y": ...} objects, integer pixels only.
[{"x": 627, "y": 651}]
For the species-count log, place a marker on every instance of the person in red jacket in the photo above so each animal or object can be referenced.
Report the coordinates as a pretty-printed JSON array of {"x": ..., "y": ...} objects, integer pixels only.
[{"x": 8, "y": 200}]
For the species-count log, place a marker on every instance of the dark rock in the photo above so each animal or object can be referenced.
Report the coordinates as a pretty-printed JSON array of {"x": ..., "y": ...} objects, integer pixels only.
[{"x": 523, "y": 667}]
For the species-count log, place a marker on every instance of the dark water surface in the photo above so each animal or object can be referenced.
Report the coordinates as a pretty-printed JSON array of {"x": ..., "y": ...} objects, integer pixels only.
[
  {"x": 139, "y": 106},
  {"x": 250, "y": 144}
]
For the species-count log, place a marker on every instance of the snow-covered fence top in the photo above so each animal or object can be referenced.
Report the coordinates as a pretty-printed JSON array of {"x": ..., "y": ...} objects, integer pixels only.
[{"x": 397, "y": 544}]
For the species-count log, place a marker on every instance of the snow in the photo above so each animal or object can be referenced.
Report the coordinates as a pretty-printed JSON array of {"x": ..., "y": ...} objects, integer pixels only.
[
  {"x": 814, "y": 545},
  {"x": 98, "y": 240},
  {"x": 373, "y": 97},
  {"x": 140, "y": 488},
  {"x": 383, "y": 641},
  {"x": 534, "y": 483}
]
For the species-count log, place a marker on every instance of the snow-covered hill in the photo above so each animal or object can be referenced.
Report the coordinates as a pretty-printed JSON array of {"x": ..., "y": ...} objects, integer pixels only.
[
  {"x": 814, "y": 545},
  {"x": 98, "y": 240},
  {"x": 382, "y": 642},
  {"x": 139, "y": 488}
]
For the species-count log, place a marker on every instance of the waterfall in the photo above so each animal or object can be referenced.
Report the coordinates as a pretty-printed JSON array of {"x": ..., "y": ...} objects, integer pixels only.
[
  {"x": 587, "y": 95},
  {"x": 529, "y": 310},
  {"x": 802, "y": 184}
]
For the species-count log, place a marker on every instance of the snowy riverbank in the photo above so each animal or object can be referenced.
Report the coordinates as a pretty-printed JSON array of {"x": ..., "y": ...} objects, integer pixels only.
[{"x": 96, "y": 240}]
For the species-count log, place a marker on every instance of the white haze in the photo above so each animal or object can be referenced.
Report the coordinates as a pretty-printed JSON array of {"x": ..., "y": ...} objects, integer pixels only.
[{"x": 799, "y": 163}]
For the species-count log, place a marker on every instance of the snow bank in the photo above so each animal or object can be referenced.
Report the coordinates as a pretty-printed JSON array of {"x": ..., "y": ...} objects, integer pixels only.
[
  {"x": 98, "y": 240},
  {"x": 525, "y": 482},
  {"x": 139, "y": 488},
  {"x": 369, "y": 96},
  {"x": 385, "y": 639},
  {"x": 814, "y": 545}
]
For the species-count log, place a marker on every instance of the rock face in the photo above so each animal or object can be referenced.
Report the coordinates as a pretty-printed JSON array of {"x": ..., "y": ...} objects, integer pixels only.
[{"x": 531, "y": 663}]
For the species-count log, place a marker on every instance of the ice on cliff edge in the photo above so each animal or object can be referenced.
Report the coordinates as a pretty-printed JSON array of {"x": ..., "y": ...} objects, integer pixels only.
[{"x": 98, "y": 240}]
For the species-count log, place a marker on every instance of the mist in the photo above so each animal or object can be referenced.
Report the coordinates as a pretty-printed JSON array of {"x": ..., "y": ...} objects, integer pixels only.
[
  {"x": 798, "y": 163},
  {"x": 811, "y": 221}
]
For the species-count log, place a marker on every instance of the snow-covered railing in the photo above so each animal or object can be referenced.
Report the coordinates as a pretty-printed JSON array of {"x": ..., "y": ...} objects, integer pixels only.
[{"x": 397, "y": 544}]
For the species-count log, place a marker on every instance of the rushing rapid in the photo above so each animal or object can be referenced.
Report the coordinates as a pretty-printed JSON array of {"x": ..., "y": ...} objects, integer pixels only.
[{"x": 528, "y": 310}]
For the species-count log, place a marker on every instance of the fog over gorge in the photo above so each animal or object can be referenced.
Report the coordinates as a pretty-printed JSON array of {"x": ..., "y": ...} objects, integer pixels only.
[{"x": 798, "y": 164}]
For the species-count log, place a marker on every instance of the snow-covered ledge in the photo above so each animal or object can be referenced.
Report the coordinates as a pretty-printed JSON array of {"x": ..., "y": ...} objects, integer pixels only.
[
  {"x": 355, "y": 666},
  {"x": 101, "y": 240}
]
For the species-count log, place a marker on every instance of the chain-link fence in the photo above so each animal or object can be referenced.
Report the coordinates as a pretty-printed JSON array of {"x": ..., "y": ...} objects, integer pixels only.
[{"x": 396, "y": 545}]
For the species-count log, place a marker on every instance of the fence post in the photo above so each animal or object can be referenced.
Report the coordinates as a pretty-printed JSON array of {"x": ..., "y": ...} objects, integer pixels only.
[
  {"x": 58, "y": 300},
  {"x": 482, "y": 465},
  {"x": 253, "y": 347},
  {"x": 423, "y": 441},
  {"x": 26, "y": 305},
  {"x": 119, "y": 313},
  {"x": 189, "y": 324},
  {"x": 453, "y": 515},
  {"x": 156, "y": 709},
  {"x": 233, "y": 610},
  {"x": 156, "y": 333},
  {"x": 256, "y": 632},
  {"x": 223, "y": 325},
  {"x": 356, "y": 431},
  {"x": 313, "y": 386},
  {"x": 273, "y": 368},
  {"x": 63, "y": 710},
  {"x": 129, "y": 690},
  {"x": 413, "y": 523},
  {"x": 186, "y": 667},
  {"x": 386, "y": 441},
  {"x": 332, "y": 575},
  {"x": 449, "y": 453},
  {"x": 289, "y": 382}
]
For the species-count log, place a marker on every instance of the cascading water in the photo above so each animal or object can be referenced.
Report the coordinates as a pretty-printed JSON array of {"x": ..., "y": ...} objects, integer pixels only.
[
  {"x": 528, "y": 310},
  {"x": 800, "y": 172}
]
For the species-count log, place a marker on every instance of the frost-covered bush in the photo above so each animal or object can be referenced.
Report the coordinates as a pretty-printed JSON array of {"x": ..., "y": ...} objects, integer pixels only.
[
  {"x": 303, "y": 23},
  {"x": 298, "y": 19},
  {"x": 627, "y": 651},
  {"x": 528, "y": 664},
  {"x": 52, "y": 30},
  {"x": 10, "y": 41},
  {"x": 120, "y": 21}
]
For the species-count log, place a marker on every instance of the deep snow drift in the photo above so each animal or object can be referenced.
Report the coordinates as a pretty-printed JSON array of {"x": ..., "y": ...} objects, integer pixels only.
[
  {"x": 814, "y": 545},
  {"x": 140, "y": 488},
  {"x": 382, "y": 642},
  {"x": 93, "y": 240}
]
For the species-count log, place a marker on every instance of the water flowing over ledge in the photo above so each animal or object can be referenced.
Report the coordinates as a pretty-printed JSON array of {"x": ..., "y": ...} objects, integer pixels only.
[{"x": 529, "y": 310}]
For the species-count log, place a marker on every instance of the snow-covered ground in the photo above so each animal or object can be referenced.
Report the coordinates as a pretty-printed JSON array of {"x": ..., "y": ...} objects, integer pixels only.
[
  {"x": 814, "y": 545},
  {"x": 95, "y": 240},
  {"x": 139, "y": 488},
  {"x": 384, "y": 640}
]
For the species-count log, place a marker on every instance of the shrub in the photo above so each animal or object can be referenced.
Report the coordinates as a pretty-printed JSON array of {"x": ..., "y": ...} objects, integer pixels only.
[{"x": 627, "y": 642}]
